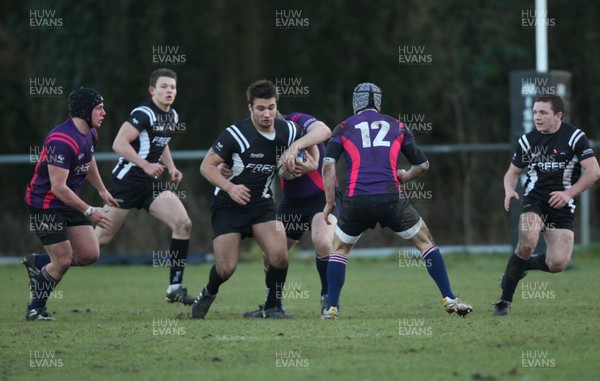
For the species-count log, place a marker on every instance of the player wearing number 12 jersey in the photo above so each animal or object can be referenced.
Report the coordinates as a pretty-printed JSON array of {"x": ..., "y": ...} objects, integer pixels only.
[{"x": 371, "y": 143}]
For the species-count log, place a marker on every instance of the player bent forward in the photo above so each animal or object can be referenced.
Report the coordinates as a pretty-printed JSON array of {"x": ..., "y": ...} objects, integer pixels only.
[
  {"x": 554, "y": 154},
  {"x": 371, "y": 143},
  {"x": 59, "y": 217}
]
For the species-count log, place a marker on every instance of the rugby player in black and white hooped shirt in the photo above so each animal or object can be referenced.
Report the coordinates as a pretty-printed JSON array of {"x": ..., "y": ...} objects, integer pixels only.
[
  {"x": 553, "y": 155},
  {"x": 243, "y": 204}
]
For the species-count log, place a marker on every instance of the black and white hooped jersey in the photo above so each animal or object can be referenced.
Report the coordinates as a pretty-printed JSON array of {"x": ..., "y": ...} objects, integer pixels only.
[
  {"x": 252, "y": 155},
  {"x": 156, "y": 128},
  {"x": 552, "y": 160}
]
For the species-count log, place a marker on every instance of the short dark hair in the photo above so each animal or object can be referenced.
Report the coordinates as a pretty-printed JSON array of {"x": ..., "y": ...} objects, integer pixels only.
[
  {"x": 556, "y": 102},
  {"x": 162, "y": 72},
  {"x": 262, "y": 89}
]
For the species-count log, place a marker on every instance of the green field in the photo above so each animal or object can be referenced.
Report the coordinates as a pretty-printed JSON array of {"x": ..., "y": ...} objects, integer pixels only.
[{"x": 113, "y": 324}]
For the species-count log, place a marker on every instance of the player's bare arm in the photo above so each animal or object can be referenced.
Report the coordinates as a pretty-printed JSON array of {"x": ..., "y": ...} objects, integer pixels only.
[
  {"x": 122, "y": 146},
  {"x": 167, "y": 160},
  {"x": 588, "y": 178},
  {"x": 511, "y": 178},
  {"x": 94, "y": 178},
  {"x": 58, "y": 179},
  {"x": 413, "y": 172},
  {"x": 210, "y": 170}
]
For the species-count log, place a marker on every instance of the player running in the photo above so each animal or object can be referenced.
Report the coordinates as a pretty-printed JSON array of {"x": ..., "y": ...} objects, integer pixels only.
[
  {"x": 59, "y": 217},
  {"x": 243, "y": 204},
  {"x": 554, "y": 154},
  {"x": 143, "y": 144},
  {"x": 301, "y": 209}
]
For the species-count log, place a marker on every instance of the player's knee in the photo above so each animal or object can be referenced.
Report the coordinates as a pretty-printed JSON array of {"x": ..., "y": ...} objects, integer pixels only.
[
  {"x": 104, "y": 239},
  {"x": 89, "y": 259},
  {"x": 183, "y": 225},
  {"x": 323, "y": 249},
  {"x": 63, "y": 263},
  {"x": 524, "y": 250},
  {"x": 225, "y": 271},
  {"x": 279, "y": 261},
  {"x": 557, "y": 265}
]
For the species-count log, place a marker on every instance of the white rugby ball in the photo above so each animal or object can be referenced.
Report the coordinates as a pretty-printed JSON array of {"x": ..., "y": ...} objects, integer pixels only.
[{"x": 283, "y": 172}]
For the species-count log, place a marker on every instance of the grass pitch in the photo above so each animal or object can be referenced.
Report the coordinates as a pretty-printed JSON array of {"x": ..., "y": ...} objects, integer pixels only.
[{"x": 113, "y": 324}]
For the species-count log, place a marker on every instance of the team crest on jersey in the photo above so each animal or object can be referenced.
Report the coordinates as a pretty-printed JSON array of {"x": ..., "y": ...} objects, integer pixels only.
[
  {"x": 80, "y": 156},
  {"x": 82, "y": 169},
  {"x": 164, "y": 127}
]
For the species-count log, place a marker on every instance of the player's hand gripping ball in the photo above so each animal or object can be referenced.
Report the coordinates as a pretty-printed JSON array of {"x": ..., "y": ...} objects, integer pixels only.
[{"x": 283, "y": 172}]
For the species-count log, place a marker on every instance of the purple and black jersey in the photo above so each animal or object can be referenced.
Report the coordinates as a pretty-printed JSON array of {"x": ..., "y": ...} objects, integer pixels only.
[
  {"x": 371, "y": 143},
  {"x": 64, "y": 147},
  {"x": 311, "y": 183}
]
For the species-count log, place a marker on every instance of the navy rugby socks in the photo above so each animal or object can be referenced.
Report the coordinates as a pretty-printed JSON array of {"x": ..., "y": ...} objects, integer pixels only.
[
  {"x": 43, "y": 288},
  {"x": 336, "y": 276},
  {"x": 434, "y": 262},
  {"x": 322, "y": 263},
  {"x": 43, "y": 259}
]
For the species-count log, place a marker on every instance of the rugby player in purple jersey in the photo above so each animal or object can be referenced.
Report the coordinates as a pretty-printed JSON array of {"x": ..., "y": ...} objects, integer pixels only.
[
  {"x": 371, "y": 143},
  {"x": 57, "y": 215}
]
